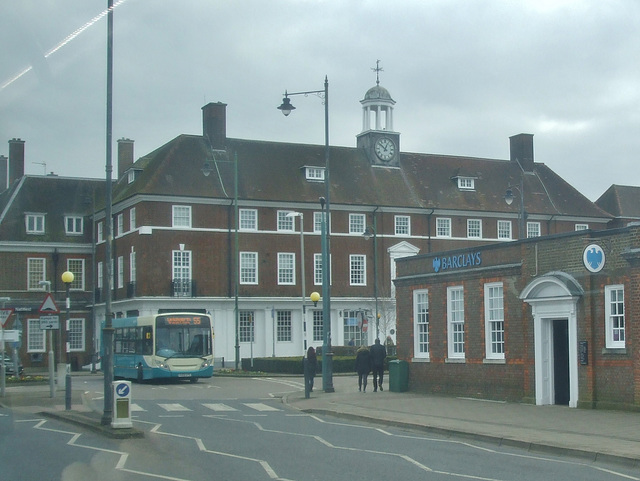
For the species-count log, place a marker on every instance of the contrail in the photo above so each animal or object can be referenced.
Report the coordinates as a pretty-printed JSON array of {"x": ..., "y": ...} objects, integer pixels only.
[{"x": 67, "y": 39}]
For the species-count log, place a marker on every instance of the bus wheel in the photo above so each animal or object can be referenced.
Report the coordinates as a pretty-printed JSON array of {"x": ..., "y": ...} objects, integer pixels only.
[
  {"x": 140, "y": 373},
  {"x": 193, "y": 380}
]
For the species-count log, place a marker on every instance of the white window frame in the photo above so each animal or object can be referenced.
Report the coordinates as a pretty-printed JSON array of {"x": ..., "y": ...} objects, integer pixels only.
[
  {"x": 533, "y": 229},
  {"x": 421, "y": 324},
  {"x": 402, "y": 225},
  {"x": 285, "y": 223},
  {"x": 76, "y": 334},
  {"x": 443, "y": 227},
  {"x": 504, "y": 230},
  {"x": 357, "y": 270},
  {"x": 315, "y": 173},
  {"x": 120, "y": 272},
  {"x": 466, "y": 183},
  {"x": 36, "y": 272},
  {"x": 455, "y": 322},
  {"x": 73, "y": 225},
  {"x": 286, "y": 269},
  {"x": 284, "y": 325},
  {"x": 581, "y": 227},
  {"x": 76, "y": 266},
  {"x": 471, "y": 228},
  {"x": 35, "y": 223},
  {"x": 317, "y": 222},
  {"x": 120, "y": 221},
  {"x": 100, "y": 229},
  {"x": 247, "y": 325},
  {"x": 181, "y": 270},
  {"x": 357, "y": 224},
  {"x": 36, "y": 341},
  {"x": 248, "y": 219},
  {"x": 612, "y": 308},
  {"x": 181, "y": 216},
  {"x": 132, "y": 266},
  {"x": 132, "y": 219},
  {"x": 131, "y": 176},
  {"x": 494, "y": 320},
  {"x": 100, "y": 275},
  {"x": 249, "y": 268}
]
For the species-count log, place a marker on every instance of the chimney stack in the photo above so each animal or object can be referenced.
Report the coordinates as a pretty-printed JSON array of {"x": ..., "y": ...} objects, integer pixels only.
[
  {"x": 16, "y": 159},
  {"x": 214, "y": 124},
  {"x": 3, "y": 173},
  {"x": 522, "y": 150},
  {"x": 125, "y": 155}
]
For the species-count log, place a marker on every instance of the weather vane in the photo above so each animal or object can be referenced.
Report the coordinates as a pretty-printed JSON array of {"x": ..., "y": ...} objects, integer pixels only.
[{"x": 377, "y": 70}]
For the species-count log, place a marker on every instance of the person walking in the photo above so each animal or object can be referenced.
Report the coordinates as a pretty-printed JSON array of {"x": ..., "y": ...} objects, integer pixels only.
[
  {"x": 363, "y": 366},
  {"x": 378, "y": 355},
  {"x": 311, "y": 366}
]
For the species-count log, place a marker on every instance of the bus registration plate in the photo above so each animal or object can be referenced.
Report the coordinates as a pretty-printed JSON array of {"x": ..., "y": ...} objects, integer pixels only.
[{"x": 184, "y": 375}]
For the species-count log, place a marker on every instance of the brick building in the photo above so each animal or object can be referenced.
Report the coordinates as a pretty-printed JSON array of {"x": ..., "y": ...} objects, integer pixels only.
[
  {"x": 174, "y": 229},
  {"x": 547, "y": 320}
]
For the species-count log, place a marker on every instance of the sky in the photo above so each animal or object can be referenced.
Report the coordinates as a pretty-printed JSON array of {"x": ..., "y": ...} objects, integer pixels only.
[{"x": 465, "y": 74}]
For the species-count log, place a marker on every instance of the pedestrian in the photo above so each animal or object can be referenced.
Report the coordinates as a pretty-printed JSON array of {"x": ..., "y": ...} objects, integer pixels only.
[
  {"x": 311, "y": 367},
  {"x": 378, "y": 355},
  {"x": 363, "y": 366},
  {"x": 352, "y": 342}
]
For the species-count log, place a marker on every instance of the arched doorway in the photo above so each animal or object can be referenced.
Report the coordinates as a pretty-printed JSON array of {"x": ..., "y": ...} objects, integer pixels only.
[{"x": 553, "y": 298}]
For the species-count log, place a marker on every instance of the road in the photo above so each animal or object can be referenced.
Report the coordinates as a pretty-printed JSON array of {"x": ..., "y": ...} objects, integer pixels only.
[{"x": 238, "y": 428}]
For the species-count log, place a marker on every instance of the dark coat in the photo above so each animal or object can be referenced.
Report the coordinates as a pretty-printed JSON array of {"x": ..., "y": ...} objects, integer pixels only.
[
  {"x": 363, "y": 361},
  {"x": 378, "y": 354}
]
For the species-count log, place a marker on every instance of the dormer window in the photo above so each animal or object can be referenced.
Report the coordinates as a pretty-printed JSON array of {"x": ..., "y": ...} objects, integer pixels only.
[
  {"x": 132, "y": 174},
  {"x": 314, "y": 173},
  {"x": 466, "y": 183}
]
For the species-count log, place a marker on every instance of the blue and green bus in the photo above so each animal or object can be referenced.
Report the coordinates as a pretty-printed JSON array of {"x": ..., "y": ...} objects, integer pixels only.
[{"x": 173, "y": 345}]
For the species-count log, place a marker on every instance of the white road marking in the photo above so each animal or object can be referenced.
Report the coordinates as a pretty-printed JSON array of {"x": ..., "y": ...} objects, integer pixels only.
[
  {"x": 219, "y": 407},
  {"x": 171, "y": 407}
]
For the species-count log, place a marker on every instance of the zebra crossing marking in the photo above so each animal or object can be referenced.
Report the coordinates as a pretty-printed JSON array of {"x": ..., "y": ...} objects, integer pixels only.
[
  {"x": 219, "y": 407},
  {"x": 173, "y": 407},
  {"x": 261, "y": 407}
]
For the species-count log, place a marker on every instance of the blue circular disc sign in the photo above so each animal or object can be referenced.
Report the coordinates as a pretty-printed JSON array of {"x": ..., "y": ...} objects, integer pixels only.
[
  {"x": 122, "y": 390},
  {"x": 593, "y": 258}
]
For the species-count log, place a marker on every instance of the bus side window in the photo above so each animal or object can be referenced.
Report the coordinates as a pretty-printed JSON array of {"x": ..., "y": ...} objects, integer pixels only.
[{"x": 147, "y": 340}]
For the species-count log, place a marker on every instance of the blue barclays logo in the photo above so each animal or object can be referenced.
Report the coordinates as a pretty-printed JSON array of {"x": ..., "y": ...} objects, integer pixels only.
[
  {"x": 460, "y": 261},
  {"x": 593, "y": 258}
]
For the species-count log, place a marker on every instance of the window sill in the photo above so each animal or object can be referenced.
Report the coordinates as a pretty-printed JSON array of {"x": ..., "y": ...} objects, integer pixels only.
[
  {"x": 455, "y": 360},
  {"x": 421, "y": 359},
  {"x": 614, "y": 351},
  {"x": 494, "y": 361}
]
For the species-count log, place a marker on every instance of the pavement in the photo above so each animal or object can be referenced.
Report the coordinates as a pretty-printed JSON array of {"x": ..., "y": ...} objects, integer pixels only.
[{"x": 591, "y": 435}]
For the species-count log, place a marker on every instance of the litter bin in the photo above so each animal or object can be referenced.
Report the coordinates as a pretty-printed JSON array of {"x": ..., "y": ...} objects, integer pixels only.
[{"x": 398, "y": 376}]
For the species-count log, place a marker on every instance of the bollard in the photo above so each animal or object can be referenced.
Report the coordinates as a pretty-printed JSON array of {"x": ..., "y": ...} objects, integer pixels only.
[{"x": 67, "y": 390}]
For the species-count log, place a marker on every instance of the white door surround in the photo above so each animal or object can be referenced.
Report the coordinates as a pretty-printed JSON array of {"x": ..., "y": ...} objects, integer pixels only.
[{"x": 553, "y": 297}]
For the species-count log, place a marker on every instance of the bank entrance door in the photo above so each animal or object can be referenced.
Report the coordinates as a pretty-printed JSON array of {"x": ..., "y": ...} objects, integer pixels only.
[
  {"x": 561, "y": 361},
  {"x": 553, "y": 299}
]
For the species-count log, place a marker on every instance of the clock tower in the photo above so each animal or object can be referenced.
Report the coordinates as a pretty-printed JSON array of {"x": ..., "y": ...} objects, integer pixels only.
[{"x": 378, "y": 140}]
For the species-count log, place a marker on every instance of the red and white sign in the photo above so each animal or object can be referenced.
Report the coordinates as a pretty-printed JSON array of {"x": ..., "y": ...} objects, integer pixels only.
[
  {"x": 365, "y": 327},
  {"x": 5, "y": 314},
  {"x": 49, "y": 305}
]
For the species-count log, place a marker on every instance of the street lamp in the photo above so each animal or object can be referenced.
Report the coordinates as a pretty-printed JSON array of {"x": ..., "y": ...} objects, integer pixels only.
[
  {"x": 206, "y": 170},
  {"x": 522, "y": 214},
  {"x": 52, "y": 385},
  {"x": 302, "y": 273},
  {"x": 3, "y": 368},
  {"x": 327, "y": 354},
  {"x": 368, "y": 234},
  {"x": 67, "y": 278}
]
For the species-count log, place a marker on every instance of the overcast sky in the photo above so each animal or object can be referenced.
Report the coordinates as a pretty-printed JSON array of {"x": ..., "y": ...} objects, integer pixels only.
[{"x": 466, "y": 75}]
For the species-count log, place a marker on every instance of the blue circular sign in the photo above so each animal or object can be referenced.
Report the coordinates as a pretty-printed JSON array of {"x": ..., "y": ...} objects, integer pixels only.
[
  {"x": 593, "y": 258},
  {"x": 122, "y": 389}
]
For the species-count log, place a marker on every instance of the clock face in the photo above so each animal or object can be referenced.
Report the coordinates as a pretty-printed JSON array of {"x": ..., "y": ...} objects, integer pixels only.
[{"x": 385, "y": 149}]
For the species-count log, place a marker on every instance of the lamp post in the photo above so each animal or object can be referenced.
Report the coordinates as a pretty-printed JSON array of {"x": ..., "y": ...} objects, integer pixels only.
[
  {"x": 3, "y": 368},
  {"x": 67, "y": 278},
  {"x": 206, "y": 170},
  {"x": 522, "y": 214},
  {"x": 107, "y": 331},
  {"x": 327, "y": 354},
  {"x": 368, "y": 234},
  {"x": 302, "y": 282}
]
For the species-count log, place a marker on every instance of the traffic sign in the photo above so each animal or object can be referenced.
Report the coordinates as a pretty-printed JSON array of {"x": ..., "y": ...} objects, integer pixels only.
[
  {"x": 49, "y": 322},
  {"x": 5, "y": 314},
  {"x": 48, "y": 305},
  {"x": 12, "y": 335}
]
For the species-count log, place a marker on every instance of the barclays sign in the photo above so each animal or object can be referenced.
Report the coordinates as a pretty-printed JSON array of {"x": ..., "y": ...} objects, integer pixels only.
[{"x": 460, "y": 261}]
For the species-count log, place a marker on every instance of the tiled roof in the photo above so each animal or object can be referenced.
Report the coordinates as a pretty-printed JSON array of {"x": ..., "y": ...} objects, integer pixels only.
[
  {"x": 621, "y": 201},
  {"x": 273, "y": 172}
]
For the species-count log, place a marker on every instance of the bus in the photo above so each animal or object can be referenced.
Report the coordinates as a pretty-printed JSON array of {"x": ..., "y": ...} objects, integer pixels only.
[{"x": 163, "y": 346}]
